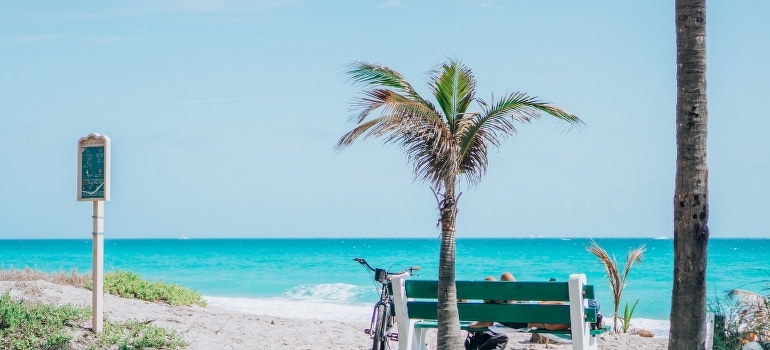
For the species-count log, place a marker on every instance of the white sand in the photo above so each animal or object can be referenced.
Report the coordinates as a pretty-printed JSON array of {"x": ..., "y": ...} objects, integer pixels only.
[{"x": 207, "y": 328}]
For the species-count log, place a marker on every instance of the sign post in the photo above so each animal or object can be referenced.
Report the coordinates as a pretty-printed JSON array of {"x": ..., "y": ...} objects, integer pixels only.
[{"x": 94, "y": 186}]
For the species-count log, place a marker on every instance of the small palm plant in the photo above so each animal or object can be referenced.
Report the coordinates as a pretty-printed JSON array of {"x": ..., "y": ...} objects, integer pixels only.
[{"x": 617, "y": 278}]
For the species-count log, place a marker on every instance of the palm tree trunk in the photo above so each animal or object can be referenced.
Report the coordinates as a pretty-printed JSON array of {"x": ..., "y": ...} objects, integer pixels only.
[
  {"x": 691, "y": 234},
  {"x": 449, "y": 334}
]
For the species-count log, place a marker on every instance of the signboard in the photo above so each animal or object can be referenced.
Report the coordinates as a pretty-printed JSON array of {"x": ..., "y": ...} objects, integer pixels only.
[{"x": 94, "y": 168}]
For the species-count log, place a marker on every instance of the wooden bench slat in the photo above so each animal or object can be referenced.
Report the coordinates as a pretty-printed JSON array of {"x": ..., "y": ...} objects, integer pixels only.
[
  {"x": 533, "y": 313},
  {"x": 529, "y": 313},
  {"x": 465, "y": 325},
  {"x": 495, "y": 290}
]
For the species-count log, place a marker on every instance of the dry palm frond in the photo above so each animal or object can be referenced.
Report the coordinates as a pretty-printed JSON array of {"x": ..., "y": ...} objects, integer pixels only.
[
  {"x": 616, "y": 278},
  {"x": 753, "y": 308}
]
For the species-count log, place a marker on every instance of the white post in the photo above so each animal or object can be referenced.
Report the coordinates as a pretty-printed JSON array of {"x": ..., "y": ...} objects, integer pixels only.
[
  {"x": 581, "y": 329},
  {"x": 94, "y": 185},
  {"x": 404, "y": 324},
  {"x": 710, "y": 330},
  {"x": 97, "y": 317}
]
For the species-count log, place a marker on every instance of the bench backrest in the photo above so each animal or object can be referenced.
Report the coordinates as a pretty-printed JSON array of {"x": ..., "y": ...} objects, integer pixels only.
[{"x": 546, "y": 302}]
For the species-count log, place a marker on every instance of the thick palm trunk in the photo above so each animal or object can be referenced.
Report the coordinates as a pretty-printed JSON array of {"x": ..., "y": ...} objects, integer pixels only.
[
  {"x": 691, "y": 234},
  {"x": 449, "y": 334}
]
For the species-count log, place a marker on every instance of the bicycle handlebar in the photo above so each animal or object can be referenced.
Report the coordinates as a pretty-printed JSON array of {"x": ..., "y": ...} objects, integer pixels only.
[{"x": 410, "y": 270}]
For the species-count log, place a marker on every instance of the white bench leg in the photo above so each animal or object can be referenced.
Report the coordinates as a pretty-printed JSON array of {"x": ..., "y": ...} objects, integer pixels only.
[
  {"x": 418, "y": 342},
  {"x": 581, "y": 330},
  {"x": 593, "y": 342}
]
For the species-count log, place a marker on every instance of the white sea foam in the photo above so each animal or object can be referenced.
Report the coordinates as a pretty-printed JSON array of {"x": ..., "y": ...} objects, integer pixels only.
[{"x": 327, "y": 292}]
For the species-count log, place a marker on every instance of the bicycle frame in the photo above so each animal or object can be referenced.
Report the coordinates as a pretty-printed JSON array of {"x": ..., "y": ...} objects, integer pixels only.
[{"x": 382, "y": 320}]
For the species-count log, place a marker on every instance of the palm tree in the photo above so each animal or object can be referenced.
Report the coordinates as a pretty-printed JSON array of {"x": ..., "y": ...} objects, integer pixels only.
[
  {"x": 615, "y": 275},
  {"x": 691, "y": 233},
  {"x": 443, "y": 142}
]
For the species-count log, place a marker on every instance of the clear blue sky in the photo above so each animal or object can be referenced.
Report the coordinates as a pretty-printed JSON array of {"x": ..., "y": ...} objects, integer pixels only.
[{"x": 223, "y": 116}]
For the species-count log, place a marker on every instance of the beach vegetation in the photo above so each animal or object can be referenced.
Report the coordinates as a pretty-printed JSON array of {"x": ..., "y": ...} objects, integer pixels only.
[
  {"x": 73, "y": 278},
  {"x": 616, "y": 276},
  {"x": 33, "y": 326},
  {"x": 628, "y": 313},
  {"x": 122, "y": 283},
  {"x": 740, "y": 317},
  {"x": 36, "y": 326},
  {"x": 136, "y": 335},
  {"x": 446, "y": 142},
  {"x": 129, "y": 284}
]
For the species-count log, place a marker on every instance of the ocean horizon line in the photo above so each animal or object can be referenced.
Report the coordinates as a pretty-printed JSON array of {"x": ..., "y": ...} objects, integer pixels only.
[{"x": 565, "y": 238}]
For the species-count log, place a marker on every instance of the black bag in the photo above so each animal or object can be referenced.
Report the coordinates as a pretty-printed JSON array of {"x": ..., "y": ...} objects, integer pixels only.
[{"x": 486, "y": 341}]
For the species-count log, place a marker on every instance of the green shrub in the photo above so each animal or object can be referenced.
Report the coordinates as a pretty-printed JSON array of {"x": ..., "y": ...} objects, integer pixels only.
[
  {"x": 135, "y": 335},
  {"x": 130, "y": 285},
  {"x": 38, "y": 326}
]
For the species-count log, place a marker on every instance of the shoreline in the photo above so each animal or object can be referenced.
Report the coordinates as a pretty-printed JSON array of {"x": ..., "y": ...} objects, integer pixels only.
[
  {"x": 213, "y": 327},
  {"x": 286, "y": 307}
]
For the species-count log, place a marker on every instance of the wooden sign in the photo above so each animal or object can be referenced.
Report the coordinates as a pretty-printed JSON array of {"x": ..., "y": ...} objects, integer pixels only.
[{"x": 94, "y": 168}]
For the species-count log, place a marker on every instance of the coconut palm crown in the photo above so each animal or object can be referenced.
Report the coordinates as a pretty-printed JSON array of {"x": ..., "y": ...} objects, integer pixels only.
[{"x": 443, "y": 141}]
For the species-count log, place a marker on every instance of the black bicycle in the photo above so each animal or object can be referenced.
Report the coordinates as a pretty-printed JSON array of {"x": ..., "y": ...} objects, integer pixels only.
[{"x": 382, "y": 317}]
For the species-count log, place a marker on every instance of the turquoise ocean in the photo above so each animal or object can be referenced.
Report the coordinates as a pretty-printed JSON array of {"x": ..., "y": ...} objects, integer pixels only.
[{"x": 317, "y": 278}]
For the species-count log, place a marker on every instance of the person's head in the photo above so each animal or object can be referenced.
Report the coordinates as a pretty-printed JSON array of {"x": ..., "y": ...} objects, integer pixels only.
[
  {"x": 490, "y": 278},
  {"x": 507, "y": 276}
]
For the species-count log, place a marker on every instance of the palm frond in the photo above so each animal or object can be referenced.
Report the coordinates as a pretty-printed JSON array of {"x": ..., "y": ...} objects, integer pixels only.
[
  {"x": 473, "y": 165},
  {"x": 750, "y": 300},
  {"x": 632, "y": 257},
  {"x": 454, "y": 87},
  {"x": 376, "y": 76},
  {"x": 519, "y": 107},
  {"x": 497, "y": 121},
  {"x": 611, "y": 266}
]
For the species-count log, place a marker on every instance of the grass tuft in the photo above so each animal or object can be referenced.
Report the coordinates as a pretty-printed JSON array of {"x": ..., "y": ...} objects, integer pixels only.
[
  {"x": 131, "y": 335},
  {"x": 130, "y": 285},
  {"x": 72, "y": 279}
]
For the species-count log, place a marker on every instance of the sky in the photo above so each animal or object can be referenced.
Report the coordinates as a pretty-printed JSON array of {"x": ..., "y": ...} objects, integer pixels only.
[{"x": 223, "y": 116}]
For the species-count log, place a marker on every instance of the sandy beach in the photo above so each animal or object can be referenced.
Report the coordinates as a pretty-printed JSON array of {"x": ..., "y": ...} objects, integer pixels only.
[{"x": 206, "y": 328}]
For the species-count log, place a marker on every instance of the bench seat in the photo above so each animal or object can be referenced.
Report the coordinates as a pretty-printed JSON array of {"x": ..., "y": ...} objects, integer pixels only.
[{"x": 466, "y": 326}]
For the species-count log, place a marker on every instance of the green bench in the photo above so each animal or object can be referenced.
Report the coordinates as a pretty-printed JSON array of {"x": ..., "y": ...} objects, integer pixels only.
[{"x": 415, "y": 307}]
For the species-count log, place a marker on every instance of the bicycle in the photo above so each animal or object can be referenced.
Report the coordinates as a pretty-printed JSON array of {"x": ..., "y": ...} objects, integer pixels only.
[{"x": 382, "y": 320}]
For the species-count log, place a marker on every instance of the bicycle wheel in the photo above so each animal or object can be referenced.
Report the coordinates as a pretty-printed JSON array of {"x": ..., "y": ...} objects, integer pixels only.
[{"x": 380, "y": 340}]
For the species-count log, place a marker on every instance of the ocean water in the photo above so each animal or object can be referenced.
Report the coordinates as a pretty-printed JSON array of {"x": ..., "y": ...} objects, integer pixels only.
[{"x": 317, "y": 278}]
